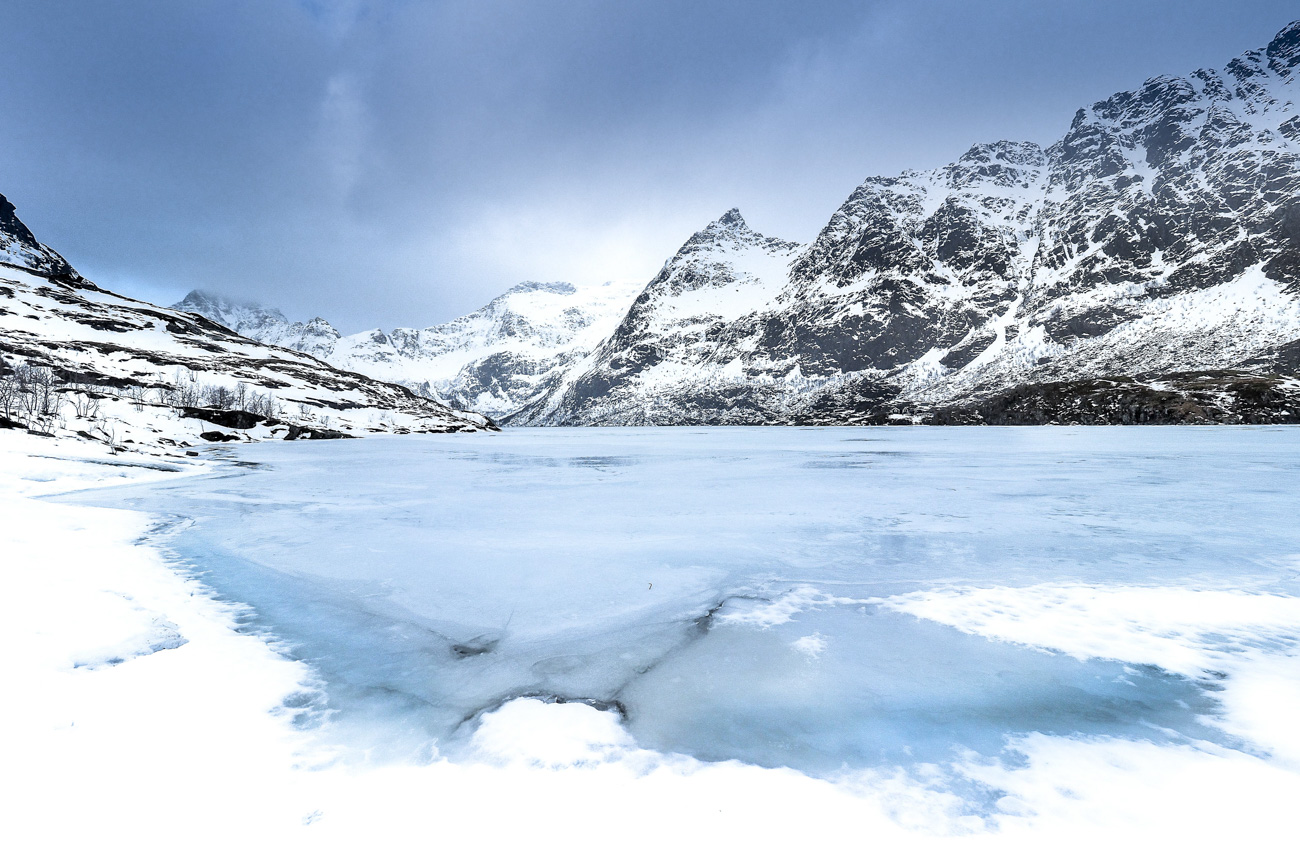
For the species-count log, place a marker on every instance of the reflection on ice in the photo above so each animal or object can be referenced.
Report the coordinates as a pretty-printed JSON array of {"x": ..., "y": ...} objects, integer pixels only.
[{"x": 723, "y": 589}]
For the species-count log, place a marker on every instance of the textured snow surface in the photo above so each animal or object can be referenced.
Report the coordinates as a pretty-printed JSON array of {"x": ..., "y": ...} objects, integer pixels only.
[{"x": 985, "y": 645}]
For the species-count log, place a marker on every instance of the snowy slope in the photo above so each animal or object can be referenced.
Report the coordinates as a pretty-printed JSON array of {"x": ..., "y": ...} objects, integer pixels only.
[{"x": 76, "y": 359}]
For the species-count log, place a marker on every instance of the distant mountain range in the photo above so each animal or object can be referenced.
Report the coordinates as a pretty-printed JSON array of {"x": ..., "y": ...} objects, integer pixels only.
[
  {"x": 492, "y": 361},
  {"x": 1143, "y": 268}
]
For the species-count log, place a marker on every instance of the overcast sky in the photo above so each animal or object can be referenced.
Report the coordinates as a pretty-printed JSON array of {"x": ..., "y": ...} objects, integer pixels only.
[{"x": 400, "y": 162}]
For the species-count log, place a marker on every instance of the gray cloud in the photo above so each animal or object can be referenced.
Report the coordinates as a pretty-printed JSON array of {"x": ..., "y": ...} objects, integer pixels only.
[{"x": 388, "y": 162}]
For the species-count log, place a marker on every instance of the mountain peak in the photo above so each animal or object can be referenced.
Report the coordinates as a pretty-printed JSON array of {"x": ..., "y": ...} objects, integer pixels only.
[
  {"x": 14, "y": 227},
  {"x": 1020, "y": 153},
  {"x": 1284, "y": 51},
  {"x": 729, "y": 231},
  {"x": 527, "y": 286},
  {"x": 732, "y": 219},
  {"x": 18, "y": 246},
  {"x": 729, "y": 225},
  {"x": 227, "y": 311}
]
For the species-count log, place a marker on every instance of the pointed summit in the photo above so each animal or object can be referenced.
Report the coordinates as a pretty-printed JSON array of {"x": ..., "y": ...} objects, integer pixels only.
[
  {"x": 14, "y": 227},
  {"x": 733, "y": 218},
  {"x": 229, "y": 312},
  {"x": 1284, "y": 51},
  {"x": 729, "y": 225},
  {"x": 18, "y": 246},
  {"x": 729, "y": 231}
]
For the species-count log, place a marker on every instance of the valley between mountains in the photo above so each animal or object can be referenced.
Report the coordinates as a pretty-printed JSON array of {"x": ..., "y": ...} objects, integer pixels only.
[{"x": 1142, "y": 269}]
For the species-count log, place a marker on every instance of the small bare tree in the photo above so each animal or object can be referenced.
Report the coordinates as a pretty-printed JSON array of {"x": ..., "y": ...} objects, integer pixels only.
[
  {"x": 85, "y": 403},
  {"x": 39, "y": 396},
  {"x": 9, "y": 394}
]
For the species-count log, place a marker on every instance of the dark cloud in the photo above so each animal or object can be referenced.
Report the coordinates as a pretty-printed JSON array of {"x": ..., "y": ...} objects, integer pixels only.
[{"x": 388, "y": 162}]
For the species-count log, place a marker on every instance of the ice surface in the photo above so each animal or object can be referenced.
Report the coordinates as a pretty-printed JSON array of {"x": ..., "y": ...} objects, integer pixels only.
[{"x": 829, "y": 600}]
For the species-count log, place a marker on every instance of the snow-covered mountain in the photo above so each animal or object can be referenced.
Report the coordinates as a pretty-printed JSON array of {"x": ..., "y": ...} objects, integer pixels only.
[
  {"x": 80, "y": 360},
  {"x": 1150, "y": 259},
  {"x": 1143, "y": 268},
  {"x": 263, "y": 324},
  {"x": 492, "y": 361},
  {"x": 670, "y": 359}
]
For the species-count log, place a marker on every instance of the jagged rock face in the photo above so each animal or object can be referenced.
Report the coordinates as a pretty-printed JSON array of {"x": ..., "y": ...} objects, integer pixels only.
[
  {"x": 911, "y": 263},
  {"x": 492, "y": 361},
  {"x": 1160, "y": 234},
  {"x": 18, "y": 246},
  {"x": 1187, "y": 181}
]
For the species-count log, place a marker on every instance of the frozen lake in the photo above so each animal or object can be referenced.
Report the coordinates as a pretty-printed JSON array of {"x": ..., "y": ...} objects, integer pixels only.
[{"x": 823, "y": 599}]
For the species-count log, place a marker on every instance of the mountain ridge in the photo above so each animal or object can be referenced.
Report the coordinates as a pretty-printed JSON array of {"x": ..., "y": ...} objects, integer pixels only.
[
  {"x": 491, "y": 360},
  {"x": 80, "y": 360},
  {"x": 1154, "y": 246},
  {"x": 1160, "y": 235}
]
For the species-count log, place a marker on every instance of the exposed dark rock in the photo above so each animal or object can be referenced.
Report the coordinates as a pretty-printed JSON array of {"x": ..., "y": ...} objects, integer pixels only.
[
  {"x": 19, "y": 246},
  {"x": 11, "y": 225},
  {"x": 216, "y": 436},
  {"x": 1216, "y": 397},
  {"x": 297, "y": 432},
  {"x": 968, "y": 350},
  {"x": 232, "y": 418}
]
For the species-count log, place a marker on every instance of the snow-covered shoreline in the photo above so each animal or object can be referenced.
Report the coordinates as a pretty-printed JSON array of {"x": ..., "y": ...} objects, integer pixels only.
[{"x": 144, "y": 723}]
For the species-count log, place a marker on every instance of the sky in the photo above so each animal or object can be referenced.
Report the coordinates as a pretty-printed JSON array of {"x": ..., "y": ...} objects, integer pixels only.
[{"x": 399, "y": 162}]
